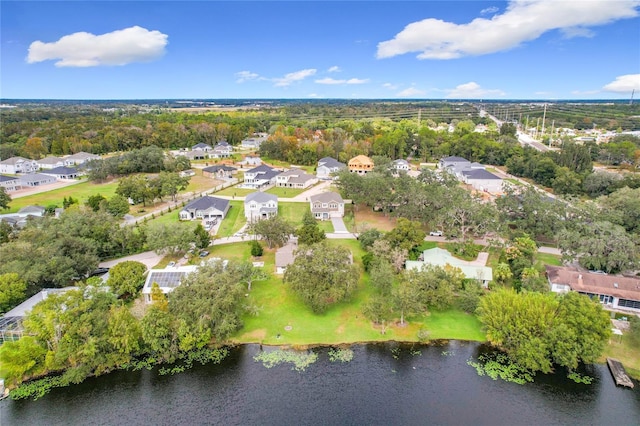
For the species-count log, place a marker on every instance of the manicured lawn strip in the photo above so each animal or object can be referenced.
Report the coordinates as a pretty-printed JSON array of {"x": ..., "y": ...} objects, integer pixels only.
[
  {"x": 326, "y": 226},
  {"x": 514, "y": 181},
  {"x": 548, "y": 259},
  {"x": 167, "y": 218},
  {"x": 285, "y": 192},
  {"x": 292, "y": 212},
  {"x": 199, "y": 183},
  {"x": 233, "y": 221},
  {"x": 349, "y": 218},
  {"x": 234, "y": 191},
  {"x": 622, "y": 350},
  {"x": 80, "y": 191}
]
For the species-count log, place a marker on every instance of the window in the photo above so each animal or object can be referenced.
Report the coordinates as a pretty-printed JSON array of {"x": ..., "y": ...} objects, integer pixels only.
[{"x": 626, "y": 303}]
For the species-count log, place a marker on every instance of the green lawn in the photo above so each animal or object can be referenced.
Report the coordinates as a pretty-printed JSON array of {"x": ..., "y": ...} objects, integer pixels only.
[
  {"x": 80, "y": 191},
  {"x": 233, "y": 221},
  {"x": 286, "y": 192},
  {"x": 282, "y": 314},
  {"x": 292, "y": 212},
  {"x": 326, "y": 226},
  {"x": 234, "y": 191},
  {"x": 548, "y": 259}
]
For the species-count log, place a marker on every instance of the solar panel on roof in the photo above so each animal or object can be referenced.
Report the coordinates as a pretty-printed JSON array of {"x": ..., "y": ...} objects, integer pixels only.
[{"x": 167, "y": 279}]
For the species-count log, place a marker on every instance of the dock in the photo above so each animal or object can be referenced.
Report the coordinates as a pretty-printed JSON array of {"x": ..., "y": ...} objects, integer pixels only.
[{"x": 618, "y": 373}]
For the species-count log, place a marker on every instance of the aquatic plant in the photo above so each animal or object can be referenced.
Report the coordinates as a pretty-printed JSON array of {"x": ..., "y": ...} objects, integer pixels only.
[
  {"x": 299, "y": 360},
  {"x": 501, "y": 366},
  {"x": 342, "y": 355},
  {"x": 579, "y": 378}
]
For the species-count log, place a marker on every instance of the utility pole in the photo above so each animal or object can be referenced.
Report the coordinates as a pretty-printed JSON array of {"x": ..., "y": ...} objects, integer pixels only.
[
  {"x": 419, "y": 115},
  {"x": 537, "y": 125},
  {"x": 544, "y": 115},
  {"x": 551, "y": 137},
  {"x": 631, "y": 100}
]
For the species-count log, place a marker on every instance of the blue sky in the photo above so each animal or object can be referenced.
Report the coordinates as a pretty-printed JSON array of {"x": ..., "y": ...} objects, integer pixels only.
[{"x": 527, "y": 49}]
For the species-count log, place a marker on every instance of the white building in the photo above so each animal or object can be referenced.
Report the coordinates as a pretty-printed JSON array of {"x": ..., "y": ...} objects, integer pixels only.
[
  {"x": 260, "y": 177},
  {"x": 440, "y": 257},
  {"x": 51, "y": 162},
  {"x": 260, "y": 205},
  {"x": 167, "y": 279},
  {"x": 79, "y": 158},
  {"x": 295, "y": 178},
  {"x": 15, "y": 165},
  {"x": 327, "y": 167},
  {"x": 326, "y": 205},
  {"x": 205, "y": 208}
]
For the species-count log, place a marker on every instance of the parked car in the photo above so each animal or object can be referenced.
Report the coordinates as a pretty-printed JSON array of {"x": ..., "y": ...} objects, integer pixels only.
[
  {"x": 204, "y": 253},
  {"x": 436, "y": 233},
  {"x": 98, "y": 271},
  {"x": 171, "y": 264}
]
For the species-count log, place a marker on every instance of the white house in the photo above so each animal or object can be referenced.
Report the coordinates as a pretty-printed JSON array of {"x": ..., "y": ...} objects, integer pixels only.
[
  {"x": 167, "y": 279},
  {"x": 327, "y": 166},
  {"x": 79, "y": 158},
  {"x": 255, "y": 141},
  {"x": 36, "y": 179},
  {"x": 62, "y": 172},
  {"x": 260, "y": 177},
  {"x": 205, "y": 208},
  {"x": 326, "y": 205},
  {"x": 295, "y": 178},
  {"x": 613, "y": 291},
  {"x": 453, "y": 161},
  {"x": 10, "y": 183},
  {"x": 250, "y": 161},
  {"x": 400, "y": 165},
  {"x": 482, "y": 180},
  {"x": 15, "y": 165},
  {"x": 50, "y": 162},
  {"x": 260, "y": 205},
  {"x": 440, "y": 257},
  {"x": 221, "y": 150}
]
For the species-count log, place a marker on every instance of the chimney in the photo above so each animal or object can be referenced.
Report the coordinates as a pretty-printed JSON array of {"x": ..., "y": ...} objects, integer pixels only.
[{"x": 580, "y": 283}]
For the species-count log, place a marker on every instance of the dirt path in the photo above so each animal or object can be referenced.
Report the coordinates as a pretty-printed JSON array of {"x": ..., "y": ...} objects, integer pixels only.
[{"x": 43, "y": 188}]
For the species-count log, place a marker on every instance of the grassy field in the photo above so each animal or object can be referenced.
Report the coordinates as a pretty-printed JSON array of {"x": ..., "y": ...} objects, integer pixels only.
[
  {"x": 233, "y": 221},
  {"x": 548, "y": 259},
  {"x": 286, "y": 192},
  {"x": 234, "y": 191},
  {"x": 292, "y": 212},
  {"x": 620, "y": 349},
  {"x": 284, "y": 320},
  {"x": 81, "y": 191}
]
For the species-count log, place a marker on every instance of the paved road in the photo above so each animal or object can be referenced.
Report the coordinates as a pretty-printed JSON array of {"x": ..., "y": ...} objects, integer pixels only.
[{"x": 149, "y": 258}]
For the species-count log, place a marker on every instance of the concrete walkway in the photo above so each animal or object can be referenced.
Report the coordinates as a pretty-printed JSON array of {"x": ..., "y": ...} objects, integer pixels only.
[{"x": 338, "y": 225}]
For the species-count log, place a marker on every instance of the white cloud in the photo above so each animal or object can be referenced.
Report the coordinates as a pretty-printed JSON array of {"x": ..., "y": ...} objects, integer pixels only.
[
  {"x": 243, "y": 76},
  {"x": 329, "y": 80},
  {"x": 120, "y": 47},
  {"x": 473, "y": 90},
  {"x": 410, "y": 92},
  {"x": 523, "y": 20},
  {"x": 624, "y": 84},
  {"x": 390, "y": 86},
  {"x": 313, "y": 95},
  {"x": 489, "y": 10},
  {"x": 584, "y": 92},
  {"x": 334, "y": 68},
  {"x": 293, "y": 77}
]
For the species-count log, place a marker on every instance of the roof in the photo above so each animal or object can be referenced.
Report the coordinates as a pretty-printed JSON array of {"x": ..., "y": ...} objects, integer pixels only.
[
  {"x": 331, "y": 163},
  {"x": 440, "y": 257},
  {"x": 297, "y": 176},
  {"x": 223, "y": 144},
  {"x": 260, "y": 197},
  {"x": 217, "y": 168},
  {"x": 201, "y": 146},
  {"x": 284, "y": 255},
  {"x": 479, "y": 174},
  {"x": 50, "y": 160},
  {"x": 81, "y": 156},
  {"x": 326, "y": 197},
  {"x": 8, "y": 178},
  {"x": 586, "y": 282},
  {"x": 454, "y": 159},
  {"x": 26, "y": 306},
  {"x": 14, "y": 160},
  {"x": 32, "y": 209},
  {"x": 400, "y": 161},
  {"x": 265, "y": 171},
  {"x": 36, "y": 177},
  {"x": 62, "y": 170},
  {"x": 167, "y": 278},
  {"x": 207, "y": 202},
  {"x": 361, "y": 159}
]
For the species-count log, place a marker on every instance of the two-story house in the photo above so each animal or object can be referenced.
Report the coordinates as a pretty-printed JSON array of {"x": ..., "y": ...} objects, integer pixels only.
[
  {"x": 295, "y": 178},
  {"x": 327, "y": 167},
  {"x": 51, "y": 162},
  {"x": 221, "y": 150},
  {"x": 326, "y": 205},
  {"x": 361, "y": 165},
  {"x": 260, "y": 177},
  {"x": 15, "y": 165},
  {"x": 260, "y": 205}
]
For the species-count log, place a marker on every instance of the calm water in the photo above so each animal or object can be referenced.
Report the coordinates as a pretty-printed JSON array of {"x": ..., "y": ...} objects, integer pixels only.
[{"x": 376, "y": 388}]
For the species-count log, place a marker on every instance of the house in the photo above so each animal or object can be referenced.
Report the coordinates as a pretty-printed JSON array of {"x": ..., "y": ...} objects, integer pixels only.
[
  {"x": 167, "y": 279},
  {"x": 361, "y": 165},
  {"x": 326, "y": 205},
  {"x": 440, "y": 257},
  {"x": 62, "y": 172},
  {"x": 400, "y": 165},
  {"x": 285, "y": 256},
  {"x": 79, "y": 158},
  {"x": 199, "y": 151},
  {"x": 10, "y": 183},
  {"x": 31, "y": 211},
  {"x": 260, "y": 205},
  {"x": 255, "y": 141},
  {"x": 453, "y": 161},
  {"x": 202, "y": 146},
  {"x": 295, "y": 178},
  {"x": 50, "y": 162},
  {"x": 205, "y": 208},
  {"x": 260, "y": 177},
  {"x": 15, "y": 165},
  {"x": 251, "y": 161},
  {"x": 36, "y": 179},
  {"x": 327, "y": 167},
  {"x": 19, "y": 219},
  {"x": 612, "y": 291},
  {"x": 221, "y": 150},
  {"x": 482, "y": 180},
  {"x": 220, "y": 171}
]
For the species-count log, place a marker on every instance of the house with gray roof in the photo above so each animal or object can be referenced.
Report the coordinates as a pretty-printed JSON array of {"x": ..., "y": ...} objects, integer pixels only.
[
  {"x": 15, "y": 165},
  {"x": 167, "y": 279},
  {"x": 219, "y": 171},
  {"x": 260, "y": 177},
  {"x": 260, "y": 205},
  {"x": 482, "y": 180},
  {"x": 327, "y": 167},
  {"x": 255, "y": 141},
  {"x": 10, "y": 183},
  {"x": 285, "y": 256},
  {"x": 205, "y": 208},
  {"x": 62, "y": 172},
  {"x": 50, "y": 162},
  {"x": 222, "y": 150},
  {"x": 400, "y": 165},
  {"x": 79, "y": 158},
  {"x": 36, "y": 179},
  {"x": 295, "y": 178},
  {"x": 250, "y": 161},
  {"x": 453, "y": 161},
  {"x": 326, "y": 205}
]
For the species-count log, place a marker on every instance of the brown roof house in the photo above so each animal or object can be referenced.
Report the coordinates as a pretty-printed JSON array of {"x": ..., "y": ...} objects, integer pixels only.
[
  {"x": 361, "y": 165},
  {"x": 613, "y": 291}
]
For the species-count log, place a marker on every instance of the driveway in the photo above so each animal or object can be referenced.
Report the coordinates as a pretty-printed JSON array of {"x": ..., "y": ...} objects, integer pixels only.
[
  {"x": 148, "y": 258},
  {"x": 338, "y": 226}
]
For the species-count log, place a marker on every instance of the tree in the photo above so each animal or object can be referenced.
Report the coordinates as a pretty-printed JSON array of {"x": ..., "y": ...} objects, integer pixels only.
[
  {"x": 158, "y": 333},
  {"x": 368, "y": 237},
  {"x": 117, "y": 206},
  {"x": 12, "y": 291},
  {"x": 124, "y": 333},
  {"x": 170, "y": 238},
  {"x": 20, "y": 359},
  {"x": 406, "y": 235},
  {"x": 5, "y": 198},
  {"x": 274, "y": 230},
  {"x": 135, "y": 187},
  {"x": 382, "y": 276},
  {"x": 309, "y": 233},
  {"x": 405, "y": 298},
  {"x": 202, "y": 237},
  {"x": 127, "y": 278},
  {"x": 256, "y": 248},
  {"x": 95, "y": 202},
  {"x": 322, "y": 275}
]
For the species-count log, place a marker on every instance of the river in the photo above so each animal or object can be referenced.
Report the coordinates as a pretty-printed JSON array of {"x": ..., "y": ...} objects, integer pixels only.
[{"x": 420, "y": 385}]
